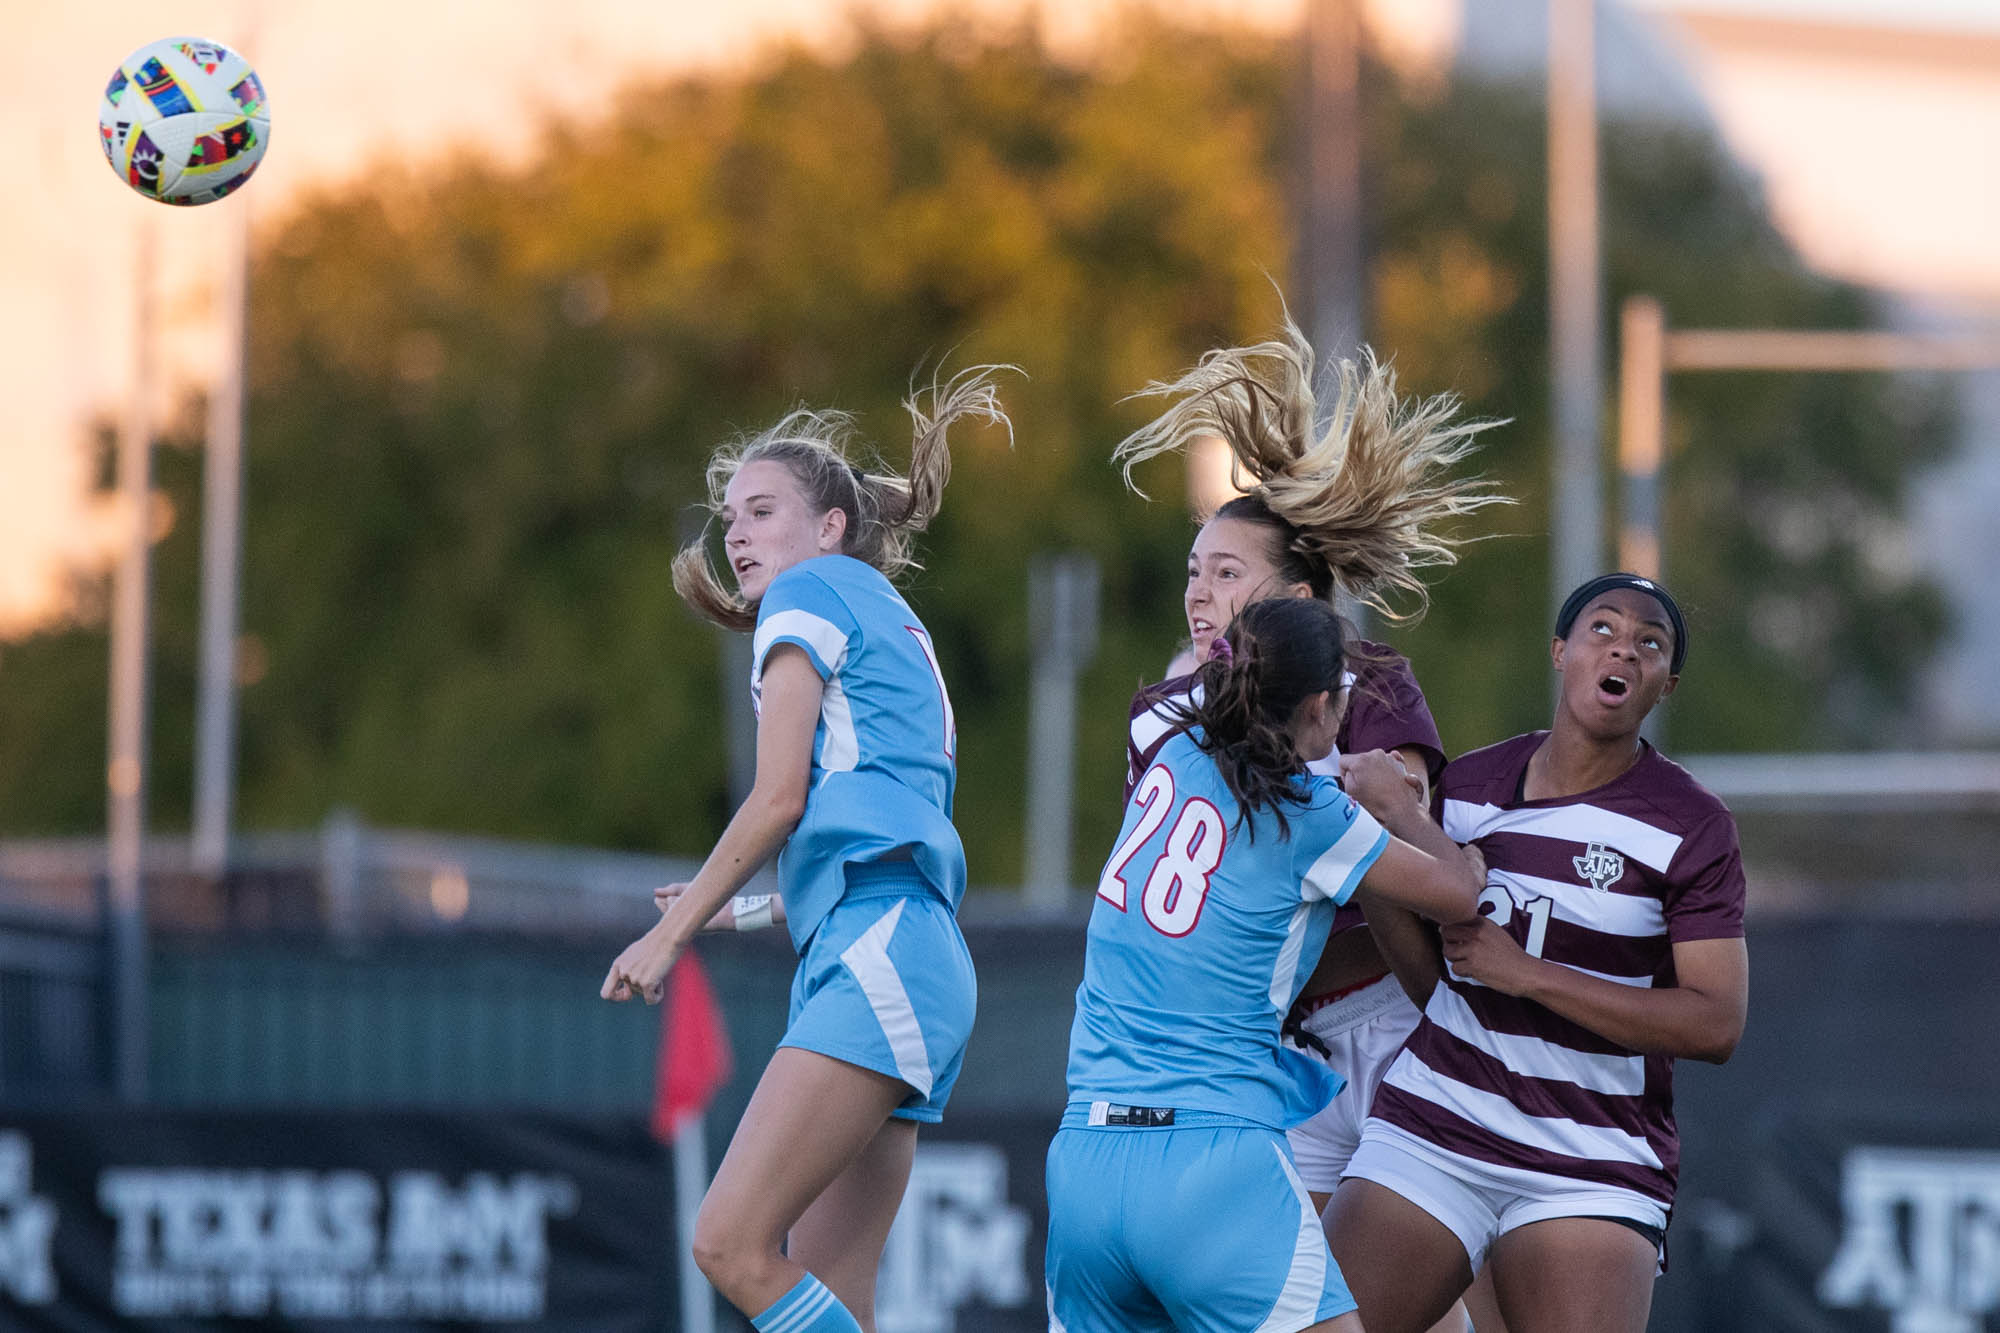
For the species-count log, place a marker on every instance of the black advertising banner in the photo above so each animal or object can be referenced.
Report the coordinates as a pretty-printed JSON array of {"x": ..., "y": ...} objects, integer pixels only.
[
  {"x": 1868, "y": 1224},
  {"x": 332, "y": 1221},
  {"x": 965, "y": 1254},
  {"x": 364, "y": 1222}
]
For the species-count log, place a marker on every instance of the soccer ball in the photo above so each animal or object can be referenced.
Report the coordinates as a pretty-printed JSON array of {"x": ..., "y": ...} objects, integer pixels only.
[{"x": 184, "y": 121}]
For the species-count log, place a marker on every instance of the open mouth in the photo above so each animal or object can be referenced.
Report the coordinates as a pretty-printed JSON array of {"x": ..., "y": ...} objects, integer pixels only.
[
  {"x": 1615, "y": 687},
  {"x": 743, "y": 566}
]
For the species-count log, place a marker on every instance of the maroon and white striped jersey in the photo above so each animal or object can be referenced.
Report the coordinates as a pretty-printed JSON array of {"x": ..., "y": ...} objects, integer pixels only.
[
  {"x": 1385, "y": 711},
  {"x": 1605, "y": 882}
]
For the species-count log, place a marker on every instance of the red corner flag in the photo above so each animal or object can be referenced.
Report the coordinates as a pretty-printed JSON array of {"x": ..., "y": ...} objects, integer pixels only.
[{"x": 694, "y": 1049}]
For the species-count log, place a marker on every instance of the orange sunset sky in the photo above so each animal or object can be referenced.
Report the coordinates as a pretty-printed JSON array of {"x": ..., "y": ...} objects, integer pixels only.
[{"x": 1881, "y": 158}]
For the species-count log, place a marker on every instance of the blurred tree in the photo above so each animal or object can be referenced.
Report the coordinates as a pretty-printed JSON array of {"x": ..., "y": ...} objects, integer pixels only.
[{"x": 482, "y": 396}]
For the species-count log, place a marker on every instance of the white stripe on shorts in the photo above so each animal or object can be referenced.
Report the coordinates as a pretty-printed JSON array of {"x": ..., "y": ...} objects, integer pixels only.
[
  {"x": 1306, "y": 1282},
  {"x": 868, "y": 959}
]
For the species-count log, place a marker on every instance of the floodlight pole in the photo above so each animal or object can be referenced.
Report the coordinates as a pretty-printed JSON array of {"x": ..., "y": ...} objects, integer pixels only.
[
  {"x": 1062, "y": 620},
  {"x": 221, "y": 564},
  {"x": 1576, "y": 507},
  {"x": 1642, "y": 388},
  {"x": 125, "y": 776},
  {"x": 1336, "y": 275},
  {"x": 1331, "y": 237}
]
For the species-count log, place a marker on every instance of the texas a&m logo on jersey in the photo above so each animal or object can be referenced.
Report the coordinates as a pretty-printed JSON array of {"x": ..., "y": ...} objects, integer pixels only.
[{"x": 1600, "y": 866}]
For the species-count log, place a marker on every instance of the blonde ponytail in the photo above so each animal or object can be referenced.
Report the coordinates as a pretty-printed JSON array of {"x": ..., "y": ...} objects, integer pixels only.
[
  {"x": 1366, "y": 500},
  {"x": 885, "y": 510}
]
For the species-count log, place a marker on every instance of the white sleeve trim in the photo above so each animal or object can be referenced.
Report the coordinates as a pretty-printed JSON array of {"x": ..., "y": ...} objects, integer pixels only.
[
  {"x": 1340, "y": 867},
  {"x": 826, "y": 639}
]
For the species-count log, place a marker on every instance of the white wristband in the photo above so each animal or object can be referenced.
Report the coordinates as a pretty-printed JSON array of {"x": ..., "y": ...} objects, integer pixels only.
[{"x": 752, "y": 911}]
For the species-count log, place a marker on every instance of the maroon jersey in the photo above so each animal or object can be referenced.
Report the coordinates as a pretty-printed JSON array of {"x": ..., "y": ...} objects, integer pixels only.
[
  {"x": 1606, "y": 882},
  {"x": 1385, "y": 711}
]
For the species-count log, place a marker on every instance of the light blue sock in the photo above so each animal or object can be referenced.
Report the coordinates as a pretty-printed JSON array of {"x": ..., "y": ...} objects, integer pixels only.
[{"x": 807, "y": 1308}]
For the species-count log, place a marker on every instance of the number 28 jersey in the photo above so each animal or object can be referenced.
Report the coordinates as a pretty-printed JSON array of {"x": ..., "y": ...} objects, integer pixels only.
[{"x": 1204, "y": 929}]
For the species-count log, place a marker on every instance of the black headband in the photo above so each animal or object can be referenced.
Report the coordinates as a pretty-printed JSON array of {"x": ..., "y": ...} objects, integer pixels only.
[{"x": 1573, "y": 605}]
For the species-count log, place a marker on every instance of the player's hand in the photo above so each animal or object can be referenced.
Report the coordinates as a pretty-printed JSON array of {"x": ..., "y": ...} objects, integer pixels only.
[
  {"x": 667, "y": 895},
  {"x": 642, "y": 969},
  {"x": 1379, "y": 782},
  {"x": 1477, "y": 859},
  {"x": 1419, "y": 788},
  {"x": 1481, "y": 951}
]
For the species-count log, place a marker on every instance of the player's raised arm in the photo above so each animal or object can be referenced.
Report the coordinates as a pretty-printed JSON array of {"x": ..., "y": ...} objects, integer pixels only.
[
  {"x": 785, "y": 728},
  {"x": 1421, "y": 869},
  {"x": 1420, "y": 880}
]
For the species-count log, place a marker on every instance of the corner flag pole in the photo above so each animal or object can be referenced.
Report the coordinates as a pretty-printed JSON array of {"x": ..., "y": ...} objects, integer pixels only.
[{"x": 690, "y": 1183}]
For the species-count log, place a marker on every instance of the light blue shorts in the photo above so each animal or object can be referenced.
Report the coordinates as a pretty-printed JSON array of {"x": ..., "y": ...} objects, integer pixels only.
[
  {"x": 1201, "y": 1229},
  {"x": 887, "y": 984}
]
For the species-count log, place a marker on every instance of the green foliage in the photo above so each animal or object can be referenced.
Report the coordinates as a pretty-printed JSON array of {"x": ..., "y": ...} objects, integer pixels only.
[{"x": 482, "y": 397}]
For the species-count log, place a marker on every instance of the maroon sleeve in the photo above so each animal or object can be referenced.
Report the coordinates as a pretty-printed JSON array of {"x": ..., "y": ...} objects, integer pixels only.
[
  {"x": 1386, "y": 711},
  {"x": 1140, "y": 748},
  {"x": 1135, "y": 761},
  {"x": 1705, "y": 884}
]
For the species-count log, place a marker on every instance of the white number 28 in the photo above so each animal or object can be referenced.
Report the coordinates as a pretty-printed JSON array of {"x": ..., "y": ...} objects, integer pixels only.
[{"x": 1177, "y": 884}]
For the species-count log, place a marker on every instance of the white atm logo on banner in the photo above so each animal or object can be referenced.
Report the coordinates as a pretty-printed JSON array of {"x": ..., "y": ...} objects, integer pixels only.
[
  {"x": 312, "y": 1244},
  {"x": 955, "y": 1237},
  {"x": 27, "y": 1226},
  {"x": 1920, "y": 1238}
]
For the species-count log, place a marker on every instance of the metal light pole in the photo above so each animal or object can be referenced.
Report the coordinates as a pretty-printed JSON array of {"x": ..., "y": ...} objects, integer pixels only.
[
  {"x": 1332, "y": 234},
  {"x": 1576, "y": 503},
  {"x": 1336, "y": 276},
  {"x": 221, "y": 558},
  {"x": 1642, "y": 387},
  {"x": 1062, "y": 617},
  {"x": 126, "y": 769}
]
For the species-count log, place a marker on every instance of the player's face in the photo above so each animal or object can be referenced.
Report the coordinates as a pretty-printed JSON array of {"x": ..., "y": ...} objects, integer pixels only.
[
  {"x": 769, "y": 526},
  {"x": 1615, "y": 662},
  {"x": 1315, "y": 726},
  {"x": 1229, "y": 567}
]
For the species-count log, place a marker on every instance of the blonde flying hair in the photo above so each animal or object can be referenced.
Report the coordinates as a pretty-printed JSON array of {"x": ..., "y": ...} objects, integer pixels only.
[
  {"x": 1365, "y": 499},
  {"x": 884, "y": 510}
]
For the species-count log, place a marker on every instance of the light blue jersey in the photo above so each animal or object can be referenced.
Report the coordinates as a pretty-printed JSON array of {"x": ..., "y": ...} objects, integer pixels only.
[
  {"x": 1174, "y": 1205},
  {"x": 1200, "y": 939},
  {"x": 883, "y": 767}
]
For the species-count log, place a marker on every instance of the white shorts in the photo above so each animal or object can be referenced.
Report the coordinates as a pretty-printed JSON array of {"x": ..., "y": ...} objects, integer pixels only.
[
  {"x": 1363, "y": 1032},
  {"x": 1480, "y": 1201}
]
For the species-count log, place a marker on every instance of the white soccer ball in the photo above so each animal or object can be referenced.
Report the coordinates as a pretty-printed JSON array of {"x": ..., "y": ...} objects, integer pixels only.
[{"x": 184, "y": 120}]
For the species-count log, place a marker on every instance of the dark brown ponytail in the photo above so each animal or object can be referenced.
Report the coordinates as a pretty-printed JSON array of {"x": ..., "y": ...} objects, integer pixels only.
[{"x": 1276, "y": 654}]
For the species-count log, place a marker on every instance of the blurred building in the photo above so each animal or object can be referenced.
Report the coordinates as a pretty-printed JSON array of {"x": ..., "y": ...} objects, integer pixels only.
[{"x": 1878, "y": 149}]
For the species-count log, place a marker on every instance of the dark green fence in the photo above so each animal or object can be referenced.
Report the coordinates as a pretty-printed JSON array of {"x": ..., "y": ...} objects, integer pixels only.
[{"x": 496, "y": 1021}]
